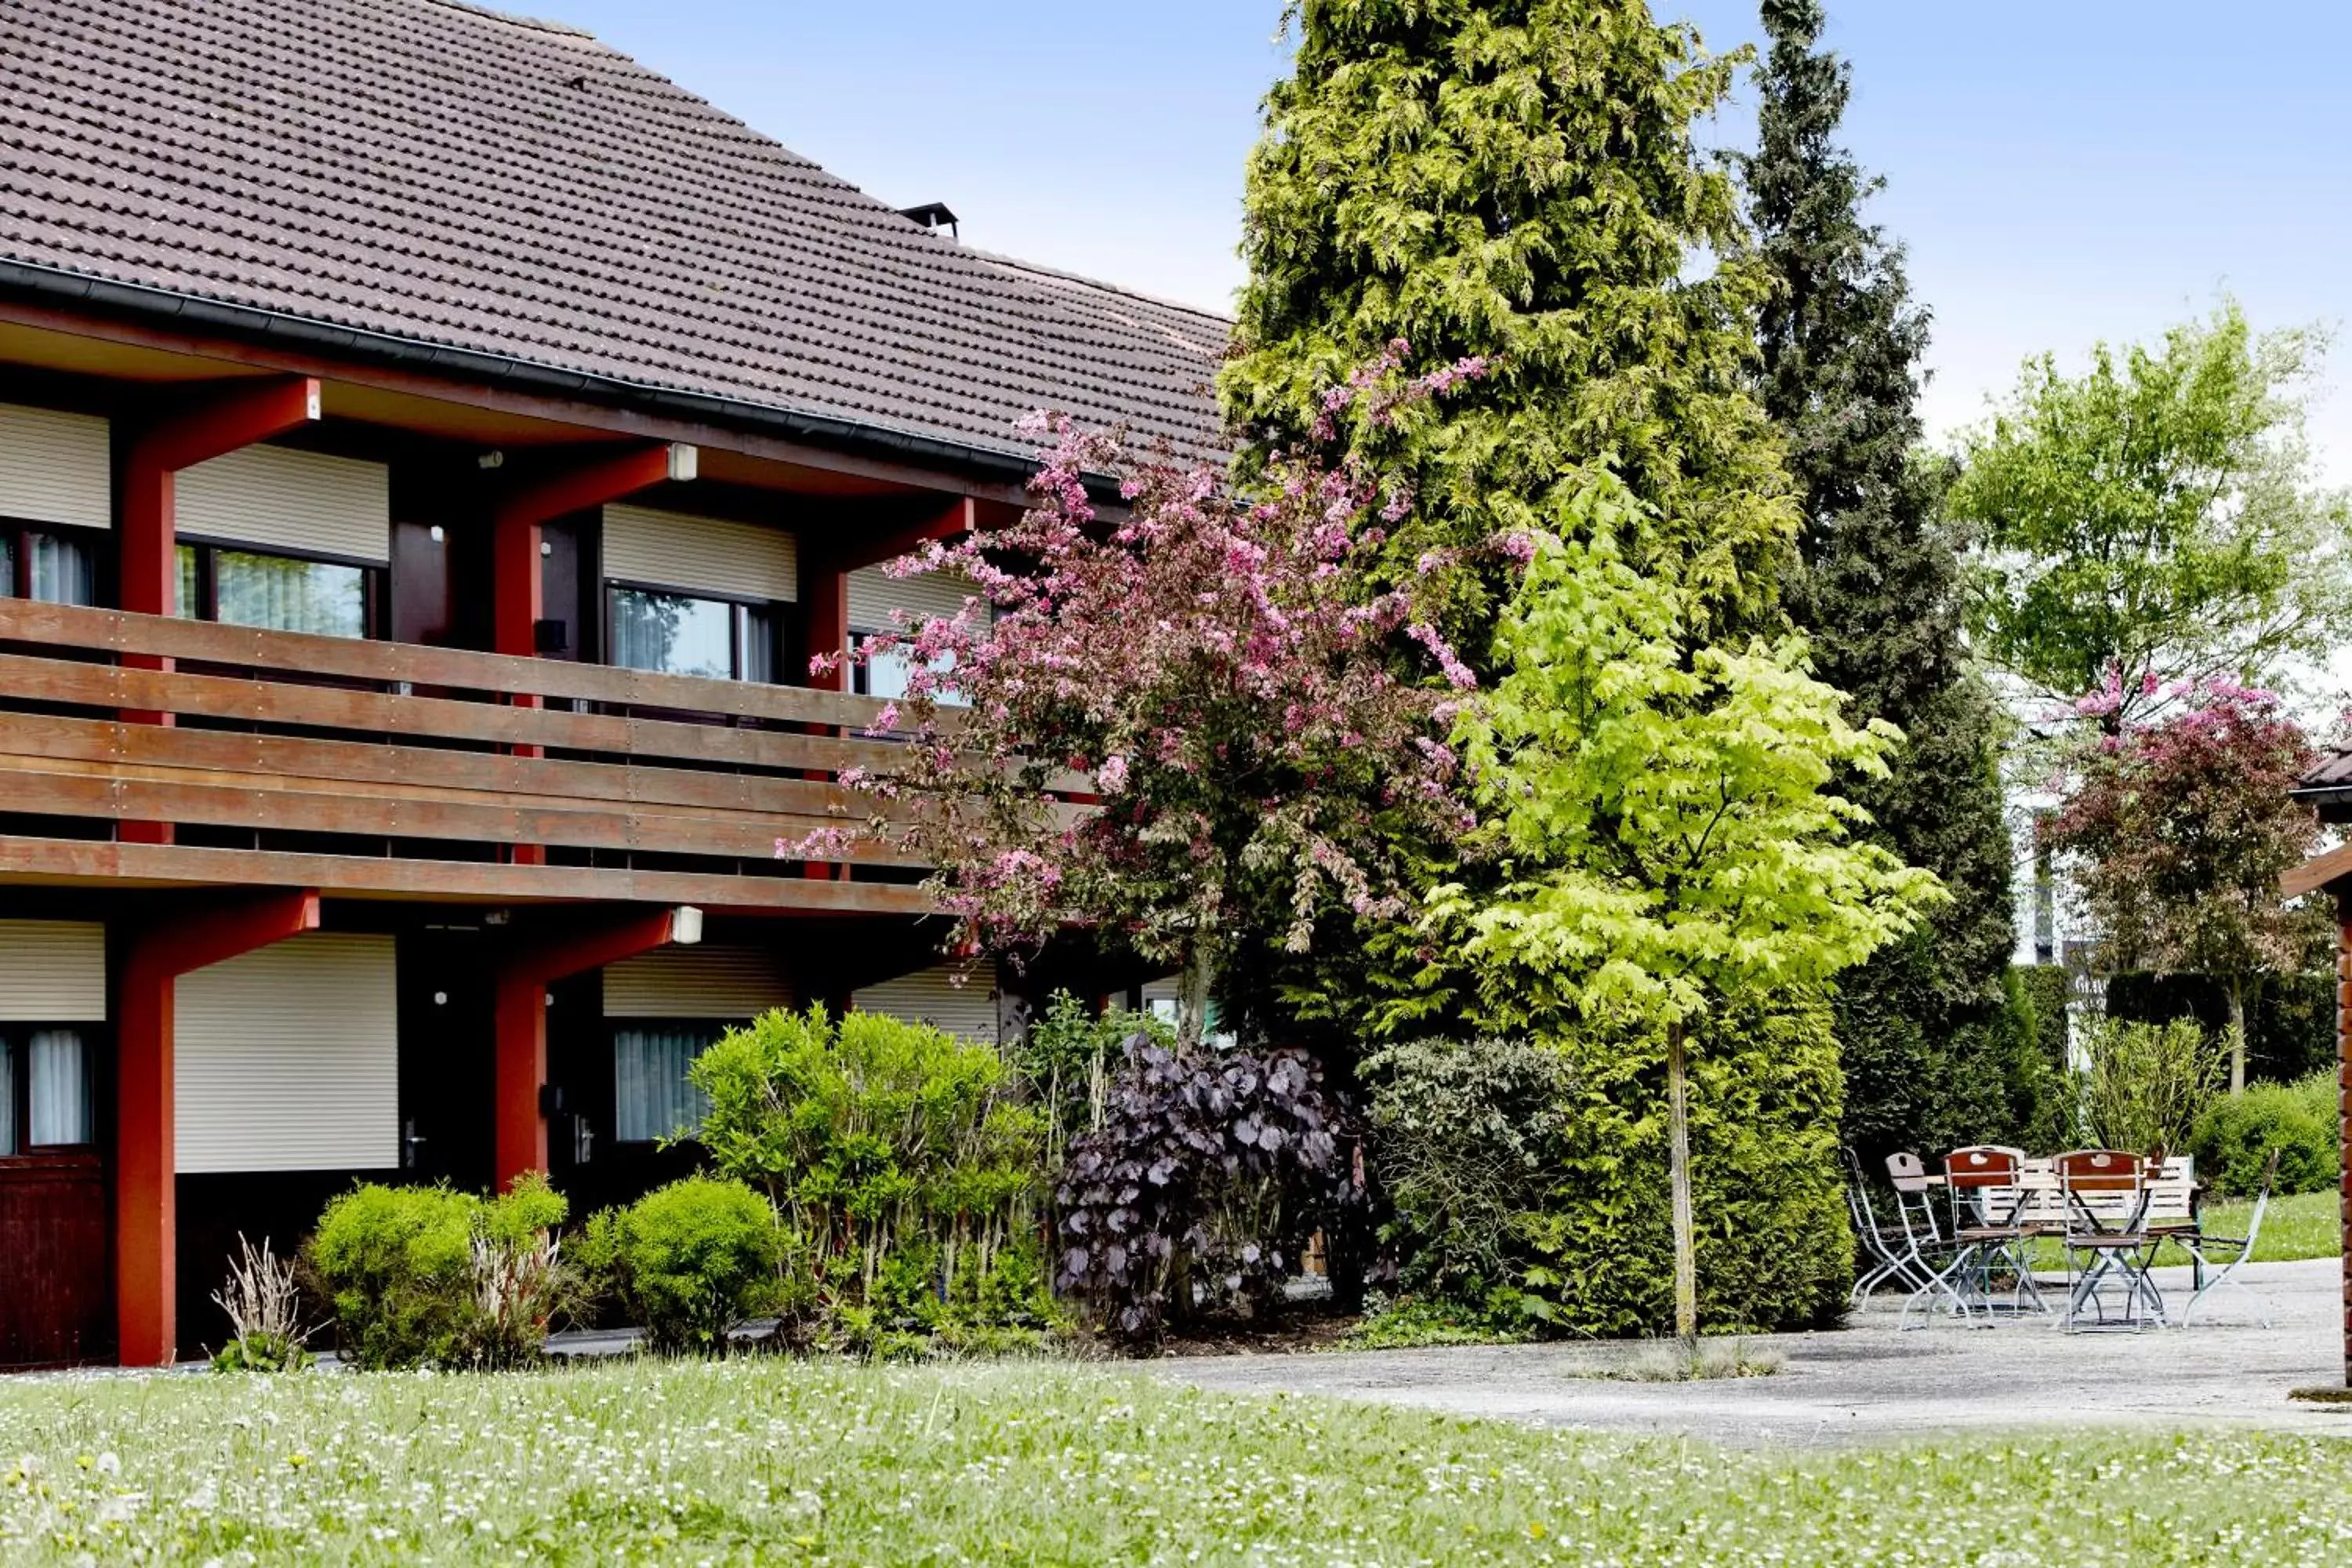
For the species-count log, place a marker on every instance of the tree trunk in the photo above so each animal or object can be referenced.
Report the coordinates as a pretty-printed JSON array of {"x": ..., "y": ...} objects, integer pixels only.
[
  {"x": 1678, "y": 1166},
  {"x": 2237, "y": 1034},
  {"x": 1192, "y": 997}
]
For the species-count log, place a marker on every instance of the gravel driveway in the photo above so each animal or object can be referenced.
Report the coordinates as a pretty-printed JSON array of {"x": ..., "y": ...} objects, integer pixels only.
[{"x": 1871, "y": 1381}]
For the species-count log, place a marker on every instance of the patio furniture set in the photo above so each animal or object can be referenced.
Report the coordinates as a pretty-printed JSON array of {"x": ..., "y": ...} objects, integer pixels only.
[{"x": 1961, "y": 1241}]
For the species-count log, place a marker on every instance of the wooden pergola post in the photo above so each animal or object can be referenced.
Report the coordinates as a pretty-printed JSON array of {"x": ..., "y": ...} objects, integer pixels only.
[{"x": 2343, "y": 1105}]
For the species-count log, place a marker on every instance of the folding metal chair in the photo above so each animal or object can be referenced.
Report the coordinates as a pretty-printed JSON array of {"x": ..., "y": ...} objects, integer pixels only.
[
  {"x": 2110, "y": 1248},
  {"x": 2234, "y": 1252},
  {"x": 1928, "y": 1254},
  {"x": 1885, "y": 1244},
  {"x": 1985, "y": 1188}
]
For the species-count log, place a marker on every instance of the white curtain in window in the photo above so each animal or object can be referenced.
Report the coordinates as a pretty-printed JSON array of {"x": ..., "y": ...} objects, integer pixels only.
[
  {"x": 60, "y": 1088},
  {"x": 651, "y": 1096},
  {"x": 8, "y": 1144},
  {"x": 65, "y": 570}
]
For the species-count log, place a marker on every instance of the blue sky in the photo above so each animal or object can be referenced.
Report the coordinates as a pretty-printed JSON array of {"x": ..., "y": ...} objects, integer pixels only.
[{"x": 2062, "y": 171}]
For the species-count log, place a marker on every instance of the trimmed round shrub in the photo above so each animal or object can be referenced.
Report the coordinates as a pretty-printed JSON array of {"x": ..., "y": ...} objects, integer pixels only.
[
  {"x": 434, "y": 1276},
  {"x": 689, "y": 1261},
  {"x": 2234, "y": 1137}
]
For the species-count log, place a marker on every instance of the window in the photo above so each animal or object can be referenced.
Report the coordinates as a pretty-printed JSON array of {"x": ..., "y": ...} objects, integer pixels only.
[
  {"x": 280, "y": 593},
  {"x": 53, "y": 565},
  {"x": 883, "y": 673},
  {"x": 651, "y": 1096},
  {"x": 678, "y": 634},
  {"x": 45, "y": 1090}
]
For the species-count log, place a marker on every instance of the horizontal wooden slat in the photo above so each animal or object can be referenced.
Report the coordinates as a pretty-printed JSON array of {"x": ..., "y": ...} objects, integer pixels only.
[
  {"x": 27, "y": 860},
  {"x": 551, "y": 781},
  {"x": 2318, "y": 872},
  {"x": 210, "y": 642},
  {"x": 112, "y": 794},
  {"x": 336, "y": 708}
]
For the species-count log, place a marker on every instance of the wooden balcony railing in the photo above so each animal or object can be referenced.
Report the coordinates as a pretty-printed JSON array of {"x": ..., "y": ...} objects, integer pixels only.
[{"x": 400, "y": 770}]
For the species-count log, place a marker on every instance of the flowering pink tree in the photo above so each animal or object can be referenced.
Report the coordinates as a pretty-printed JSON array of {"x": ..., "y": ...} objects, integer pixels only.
[
  {"x": 1192, "y": 720},
  {"x": 2181, "y": 828}
]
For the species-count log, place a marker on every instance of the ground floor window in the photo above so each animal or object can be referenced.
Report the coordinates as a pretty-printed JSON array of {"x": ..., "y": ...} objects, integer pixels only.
[
  {"x": 279, "y": 592},
  {"x": 45, "y": 1090},
  {"x": 651, "y": 1096},
  {"x": 56, "y": 567},
  {"x": 678, "y": 634}
]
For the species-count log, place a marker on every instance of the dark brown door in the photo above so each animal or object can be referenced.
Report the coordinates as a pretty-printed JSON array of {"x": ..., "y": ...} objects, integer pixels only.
[{"x": 56, "y": 1299}]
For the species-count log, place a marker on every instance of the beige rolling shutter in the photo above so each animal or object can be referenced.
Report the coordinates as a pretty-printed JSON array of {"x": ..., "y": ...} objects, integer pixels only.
[
  {"x": 52, "y": 972},
  {"x": 301, "y": 503},
  {"x": 288, "y": 1058},
  {"x": 699, "y": 982},
  {"x": 699, "y": 554},
  {"x": 931, "y": 996},
  {"x": 932, "y": 596},
  {"x": 54, "y": 467}
]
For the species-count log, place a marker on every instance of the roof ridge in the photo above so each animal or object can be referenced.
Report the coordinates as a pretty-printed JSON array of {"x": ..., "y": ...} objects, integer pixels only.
[{"x": 538, "y": 23}]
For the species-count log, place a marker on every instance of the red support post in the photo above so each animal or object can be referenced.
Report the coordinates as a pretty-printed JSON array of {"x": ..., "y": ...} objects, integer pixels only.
[
  {"x": 519, "y": 600},
  {"x": 520, "y": 1013},
  {"x": 146, "y": 1229},
  {"x": 148, "y": 558},
  {"x": 518, "y": 581}
]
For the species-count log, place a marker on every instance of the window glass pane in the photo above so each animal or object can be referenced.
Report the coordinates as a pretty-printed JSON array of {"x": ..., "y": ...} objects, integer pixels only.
[
  {"x": 65, "y": 570},
  {"x": 8, "y": 1144},
  {"x": 192, "y": 602},
  {"x": 289, "y": 596},
  {"x": 60, "y": 1096},
  {"x": 885, "y": 673},
  {"x": 672, "y": 633},
  {"x": 7, "y": 564},
  {"x": 651, "y": 1096}
]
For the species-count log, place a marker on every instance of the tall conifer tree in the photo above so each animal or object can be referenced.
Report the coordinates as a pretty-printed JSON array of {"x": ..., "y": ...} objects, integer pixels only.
[
  {"x": 1515, "y": 181},
  {"x": 1877, "y": 591},
  {"x": 1518, "y": 182}
]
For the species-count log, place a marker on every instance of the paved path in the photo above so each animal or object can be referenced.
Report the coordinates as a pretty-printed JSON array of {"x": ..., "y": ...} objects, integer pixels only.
[{"x": 1871, "y": 1381}]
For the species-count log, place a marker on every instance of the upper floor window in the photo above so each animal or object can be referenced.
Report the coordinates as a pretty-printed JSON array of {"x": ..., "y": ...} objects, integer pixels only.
[
  {"x": 280, "y": 593},
  {"x": 57, "y": 566},
  {"x": 680, "y": 634},
  {"x": 883, "y": 672}
]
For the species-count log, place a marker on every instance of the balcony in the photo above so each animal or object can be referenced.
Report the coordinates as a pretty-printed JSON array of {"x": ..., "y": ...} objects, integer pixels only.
[{"x": 400, "y": 771}]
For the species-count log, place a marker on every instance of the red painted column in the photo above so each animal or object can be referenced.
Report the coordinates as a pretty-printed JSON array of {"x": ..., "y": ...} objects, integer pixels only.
[
  {"x": 520, "y": 1012},
  {"x": 145, "y": 1211},
  {"x": 826, "y": 615},
  {"x": 518, "y": 578},
  {"x": 147, "y": 560}
]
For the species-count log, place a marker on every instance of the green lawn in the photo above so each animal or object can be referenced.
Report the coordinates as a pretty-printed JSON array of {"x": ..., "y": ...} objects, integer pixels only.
[{"x": 773, "y": 1462}]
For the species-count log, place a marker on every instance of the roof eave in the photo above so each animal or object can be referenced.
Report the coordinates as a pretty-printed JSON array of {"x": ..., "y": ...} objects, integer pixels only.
[{"x": 254, "y": 324}]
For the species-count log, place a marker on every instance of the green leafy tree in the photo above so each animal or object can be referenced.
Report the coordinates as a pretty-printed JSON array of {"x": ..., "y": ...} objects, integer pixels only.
[
  {"x": 1513, "y": 183},
  {"x": 1662, "y": 811},
  {"x": 1877, "y": 593},
  {"x": 2157, "y": 519},
  {"x": 2177, "y": 833}
]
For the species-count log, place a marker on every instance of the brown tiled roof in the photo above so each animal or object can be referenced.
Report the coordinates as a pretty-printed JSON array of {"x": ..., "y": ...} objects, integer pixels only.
[
  {"x": 2335, "y": 773},
  {"x": 430, "y": 171}
]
